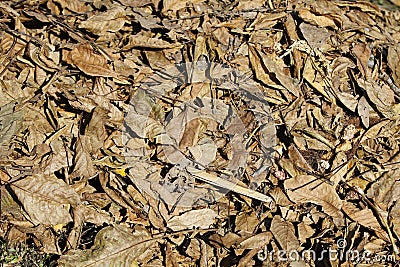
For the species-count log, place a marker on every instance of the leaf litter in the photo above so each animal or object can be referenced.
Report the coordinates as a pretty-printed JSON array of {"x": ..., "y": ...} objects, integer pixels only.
[{"x": 323, "y": 78}]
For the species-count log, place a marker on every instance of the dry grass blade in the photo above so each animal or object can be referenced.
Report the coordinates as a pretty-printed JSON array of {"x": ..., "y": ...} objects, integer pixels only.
[{"x": 220, "y": 182}]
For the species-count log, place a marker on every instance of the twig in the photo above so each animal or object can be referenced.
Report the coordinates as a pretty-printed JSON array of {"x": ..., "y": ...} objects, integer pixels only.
[{"x": 215, "y": 180}]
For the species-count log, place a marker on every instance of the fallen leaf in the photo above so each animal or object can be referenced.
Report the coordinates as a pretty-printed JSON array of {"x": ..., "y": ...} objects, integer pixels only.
[
  {"x": 143, "y": 41},
  {"x": 362, "y": 53},
  {"x": 72, "y": 5},
  {"x": 305, "y": 188},
  {"x": 202, "y": 219},
  {"x": 174, "y": 5},
  {"x": 363, "y": 109},
  {"x": 321, "y": 21},
  {"x": 10, "y": 123},
  {"x": 315, "y": 79},
  {"x": 258, "y": 241},
  {"x": 364, "y": 217},
  {"x": 96, "y": 130},
  {"x": 264, "y": 66},
  {"x": 83, "y": 163},
  {"x": 285, "y": 234},
  {"x": 46, "y": 199},
  {"x": 393, "y": 61},
  {"x": 316, "y": 37},
  {"x": 110, "y": 21},
  {"x": 113, "y": 246},
  {"x": 89, "y": 62}
]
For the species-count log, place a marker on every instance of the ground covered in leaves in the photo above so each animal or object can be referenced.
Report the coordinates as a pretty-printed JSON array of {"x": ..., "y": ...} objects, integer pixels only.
[{"x": 199, "y": 133}]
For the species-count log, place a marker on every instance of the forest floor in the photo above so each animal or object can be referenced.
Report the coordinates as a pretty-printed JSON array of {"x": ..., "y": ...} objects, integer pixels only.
[{"x": 200, "y": 133}]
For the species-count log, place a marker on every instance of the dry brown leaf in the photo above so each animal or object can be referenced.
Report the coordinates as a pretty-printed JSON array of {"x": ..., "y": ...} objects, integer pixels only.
[
  {"x": 328, "y": 67},
  {"x": 291, "y": 29},
  {"x": 156, "y": 219},
  {"x": 339, "y": 73},
  {"x": 175, "y": 5},
  {"x": 247, "y": 260},
  {"x": 362, "y": 53},
  {"x": 48, "y": 238},
  {"x": 143, "y": 41},
  {"x": 257, "y": 66},
  {"x": 298, "y": 160},
  {"x": 246, "y": 222},
  {"x": 321, "y": 21},
  {"x": 96, "y": 131},
  {"x": 395, "y": 217},
  {"x": 393, "y": 61},
  {"x": 364, "y": 217},
  {"x": 365, "y": 6},
  {"x": 396, "y": 2},
  {"x": 140, "y": 110},
  {"x": 114, "y": 247},
  {"x": 261, "y": 63},
  {"x": 157, "y": 59},
  {"x": 264, "y": 21},
  {"x": 348, "y": 100},
  {"x": 10, "y": 123},
  {"x": 87, "y": 61},
  {"x": 202, "y": 219},
  {"x": 190, "y": 136},
  {"x": 375, "y": 130},
  {"x": 60, "y": 157},
  {"x": 381, "y": 96},
  {"x": 258, "y": 241},
  {"x": 305, "y": 188},
  {"x": 110, "y": 21},
  {"x": 45, "y": 59},
  {"x": 170, "y": 260},
  {"x": 316, "y": 37},
  {"x": 386, "y": 190},
  {"x": 314, "y": 77},
  {"x": 285, "y": 234},
  {"x": 363, "y": 109},
  {"x": 305, "y": 231},
  {"x": 46, "y": 199},
  {"x": 83, "y": 163},
  {"x": 193, "y": 249},
  {"x": 10, "y": 206},
  {"x": 39, "y": 127},
  {"x": 72, "y": 5}
]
